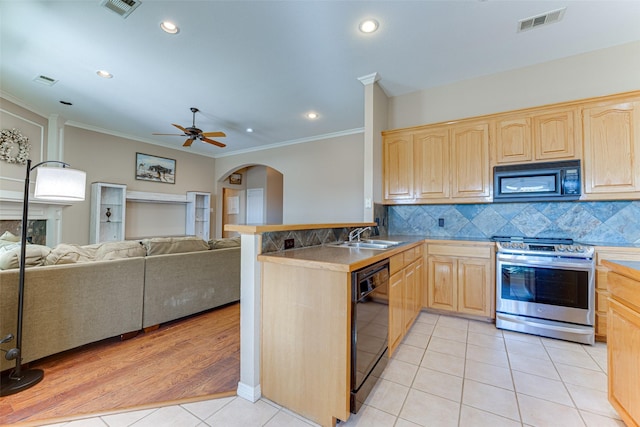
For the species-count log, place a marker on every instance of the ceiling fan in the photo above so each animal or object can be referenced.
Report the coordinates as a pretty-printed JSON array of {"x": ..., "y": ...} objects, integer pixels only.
[{"x": 192, "y": 133}]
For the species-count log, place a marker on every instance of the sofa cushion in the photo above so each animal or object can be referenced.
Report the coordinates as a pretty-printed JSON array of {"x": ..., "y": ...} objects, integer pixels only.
[
  {"x": 123, "y": 249},
  {"x": 174, "y": 245},
  {"x": 230, "y": 242},
  {"x": 35, "y": 255},
  {"x": 66, "y": 253}
]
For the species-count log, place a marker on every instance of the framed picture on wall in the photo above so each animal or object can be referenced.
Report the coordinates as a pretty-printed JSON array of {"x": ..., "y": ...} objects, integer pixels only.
[
  {"x": 235, "y": 178},
  {"x": 154, "y": 168}
]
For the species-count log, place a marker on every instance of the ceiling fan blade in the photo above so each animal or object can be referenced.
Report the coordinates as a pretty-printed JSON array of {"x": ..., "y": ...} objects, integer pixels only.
[
  {"x": 218, "y": 134},
  {"x": 188, "y": 142},
  {"x": 211, "y": 141},
  {"x": 169, "y": 134},
  {"x": 180, "y": 127}
]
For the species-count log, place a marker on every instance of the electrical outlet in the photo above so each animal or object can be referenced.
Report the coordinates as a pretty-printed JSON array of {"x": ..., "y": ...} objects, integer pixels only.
[
  {"x": 440, "y": 222},
  {"x": 289, "y": 243}
]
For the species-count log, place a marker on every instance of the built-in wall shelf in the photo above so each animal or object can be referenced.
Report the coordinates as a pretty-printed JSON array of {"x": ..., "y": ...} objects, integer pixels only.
[
  {"x": 145, "y": 196},
  {"x": 113, "y": 198},
  {"x": 108, "y": 212}
]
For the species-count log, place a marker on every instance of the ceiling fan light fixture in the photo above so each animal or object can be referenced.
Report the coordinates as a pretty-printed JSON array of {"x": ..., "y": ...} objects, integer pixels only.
[
  {"x": 368, "y": 26},
  {"x": 169, "y": 27}
]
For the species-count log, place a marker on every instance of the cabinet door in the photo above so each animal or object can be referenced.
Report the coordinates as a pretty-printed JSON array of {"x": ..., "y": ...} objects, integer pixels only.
[
  {"x": 420, "y": 281},
  {"x": 612, "y": 148},
  {"x": 513, "y": 140},
  {"x": 409, "y": 296},
  {"x": 555, "y": 135},
  {"x": 442, "y": 286},
  {"x": 398, "y": 166},
  {"x": 623, "y": 348},
  {"x": 432, "y": 176},
  {"x": 474, "y": 286},
  {"x": 470, "y": 161},
  {"x": 396, "y": 309}
]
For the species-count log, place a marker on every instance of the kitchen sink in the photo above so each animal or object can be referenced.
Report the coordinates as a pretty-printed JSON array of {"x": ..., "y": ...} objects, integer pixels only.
[
  {"x": 366, "y": 244},
  {"x": 381, "y": 242}
]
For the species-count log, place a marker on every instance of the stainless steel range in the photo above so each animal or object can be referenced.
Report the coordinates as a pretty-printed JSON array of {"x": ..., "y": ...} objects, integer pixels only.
[{"x": 546, "y": 287}]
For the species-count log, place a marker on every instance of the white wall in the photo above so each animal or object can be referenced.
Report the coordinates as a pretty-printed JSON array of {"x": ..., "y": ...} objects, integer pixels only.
[
  {"x": 597, "y": 73},
  {"x": 322, "y": 180}
]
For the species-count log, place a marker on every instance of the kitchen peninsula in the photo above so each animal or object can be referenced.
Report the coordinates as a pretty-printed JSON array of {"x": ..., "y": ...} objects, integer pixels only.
[{"x": 306, "y": 325}]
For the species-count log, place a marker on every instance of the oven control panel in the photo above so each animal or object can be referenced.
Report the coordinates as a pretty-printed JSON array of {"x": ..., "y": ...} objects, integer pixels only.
[{"x": 565, "y": 250}]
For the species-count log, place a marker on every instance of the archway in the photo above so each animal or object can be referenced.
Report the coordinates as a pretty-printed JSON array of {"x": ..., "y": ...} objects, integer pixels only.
[{"x": 249, "y": 194}]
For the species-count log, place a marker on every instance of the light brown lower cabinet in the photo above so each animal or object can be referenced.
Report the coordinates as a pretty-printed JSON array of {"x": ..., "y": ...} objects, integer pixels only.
[
  {"x": 461, "y": 278},
  {"x": 623, "y": 347},
  {"x": 602, "y": 293},
  {"x": 405, "y": 293}
]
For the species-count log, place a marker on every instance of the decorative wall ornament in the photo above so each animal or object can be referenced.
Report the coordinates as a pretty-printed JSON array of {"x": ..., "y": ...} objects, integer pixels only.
[{"x": 8, "y": 138}]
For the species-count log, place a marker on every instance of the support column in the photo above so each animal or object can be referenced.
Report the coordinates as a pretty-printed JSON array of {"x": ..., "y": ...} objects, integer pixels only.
[{"x": 250, "y": 315}]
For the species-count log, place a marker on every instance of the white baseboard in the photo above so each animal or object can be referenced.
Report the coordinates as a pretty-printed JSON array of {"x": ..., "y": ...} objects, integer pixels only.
[{"x": 249, "y": 393}]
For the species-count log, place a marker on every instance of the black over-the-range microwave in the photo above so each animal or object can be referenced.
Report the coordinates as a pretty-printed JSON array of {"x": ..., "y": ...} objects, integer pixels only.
[{"x": 537, "y": 182}]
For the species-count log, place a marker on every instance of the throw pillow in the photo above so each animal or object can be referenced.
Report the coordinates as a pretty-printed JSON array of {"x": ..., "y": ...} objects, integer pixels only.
[
  {"x": 230, "y": 242},
  {"x": 174, "y": 245},
  {"x": 35, "y": 255},
  {"x": 117, "y": 250},
  {"x": 9, "y": 237},
  {"x": 66, "y": 253}
]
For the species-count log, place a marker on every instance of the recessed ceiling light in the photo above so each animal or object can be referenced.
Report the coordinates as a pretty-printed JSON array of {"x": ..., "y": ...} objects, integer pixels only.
[
  {"x": 369, "y": 26},
  {"x": 104, "y": 74},
  {"x": 249, "y": 130},
  {"x": 312, "y": 115},
  {"x": 169, "y": 27}
]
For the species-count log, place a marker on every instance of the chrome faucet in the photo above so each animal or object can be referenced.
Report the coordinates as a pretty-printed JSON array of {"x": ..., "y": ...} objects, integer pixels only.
[{"x": 355, "y": 234}]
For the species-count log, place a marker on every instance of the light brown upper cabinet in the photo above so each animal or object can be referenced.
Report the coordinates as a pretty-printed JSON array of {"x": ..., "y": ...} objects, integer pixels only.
[
  {"x": 398, "y": 167},
  {"x": 443, "y": 164},
  {"x": 611, "y": 150},
  {"x": 432, "y": 169},
  {"x": 452, "y": 162},
  {"x": 471, "y": 172},
  {"x": 546, "y": 135}
]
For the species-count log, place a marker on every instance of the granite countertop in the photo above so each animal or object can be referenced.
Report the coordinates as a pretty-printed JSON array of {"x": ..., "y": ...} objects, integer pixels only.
[
  {"x": 340, "y": 259},
  {"x": 351, "y": 259}
]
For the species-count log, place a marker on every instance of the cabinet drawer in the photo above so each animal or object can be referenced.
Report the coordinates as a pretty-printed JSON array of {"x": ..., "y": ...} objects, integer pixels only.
[
  {"x": 460, "y": 251},
  {"x": 631, "y": 254},
  {"x": 396, "y": 263},
  {"x": 624, "y": 289},
  {"x": 409, "y": 256}
]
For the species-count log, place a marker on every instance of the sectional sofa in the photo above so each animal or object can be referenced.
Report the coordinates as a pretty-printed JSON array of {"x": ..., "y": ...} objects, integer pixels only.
[{"x": 75, "y": 295}]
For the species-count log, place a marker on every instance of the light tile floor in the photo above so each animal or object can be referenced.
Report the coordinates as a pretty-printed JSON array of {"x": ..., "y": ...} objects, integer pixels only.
[{"x": 448, "y": 371}]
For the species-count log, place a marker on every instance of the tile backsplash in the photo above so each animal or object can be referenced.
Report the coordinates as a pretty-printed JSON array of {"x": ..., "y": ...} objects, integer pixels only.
[{"x": 589, "y": 222}]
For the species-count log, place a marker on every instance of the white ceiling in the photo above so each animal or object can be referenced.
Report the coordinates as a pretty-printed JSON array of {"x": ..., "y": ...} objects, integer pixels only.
[{"x": 264, "y": 64}]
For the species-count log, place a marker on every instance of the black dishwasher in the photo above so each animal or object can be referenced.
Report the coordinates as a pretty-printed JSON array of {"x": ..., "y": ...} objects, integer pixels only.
[{"x": 369, "y": 329}]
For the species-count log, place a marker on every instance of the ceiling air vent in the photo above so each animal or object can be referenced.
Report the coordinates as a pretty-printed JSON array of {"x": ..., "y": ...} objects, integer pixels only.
[
  {"x": 121, "y": 7},
  {"x": 539, "y": 20},
  {"x": 45, "y": 80}
]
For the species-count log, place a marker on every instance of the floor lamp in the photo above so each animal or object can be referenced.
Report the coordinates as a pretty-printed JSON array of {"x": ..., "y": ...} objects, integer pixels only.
[{"x": 57, "y": 184}]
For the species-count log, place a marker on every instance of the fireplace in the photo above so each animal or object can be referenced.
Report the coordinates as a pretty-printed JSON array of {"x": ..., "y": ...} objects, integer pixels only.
[
  {"x": 44, "y": 226},
  {"x": 36, "y": 229}
]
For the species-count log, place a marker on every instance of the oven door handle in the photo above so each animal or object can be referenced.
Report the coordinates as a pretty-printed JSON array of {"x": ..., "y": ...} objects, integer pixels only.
[
  {"x": 554, "y": 327},
  {"x": 548, "y": 262}
]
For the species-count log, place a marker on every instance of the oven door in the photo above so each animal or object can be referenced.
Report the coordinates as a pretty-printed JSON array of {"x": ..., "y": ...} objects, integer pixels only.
[{"x": 553, "y": 288}]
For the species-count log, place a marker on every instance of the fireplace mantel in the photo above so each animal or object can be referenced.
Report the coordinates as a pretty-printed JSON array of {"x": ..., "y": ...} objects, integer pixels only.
[{"x": 11, "y": 209}]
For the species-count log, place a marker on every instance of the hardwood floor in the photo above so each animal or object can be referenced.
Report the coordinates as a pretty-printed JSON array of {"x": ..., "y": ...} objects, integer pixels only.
[{"x": 193, "y": 358}]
